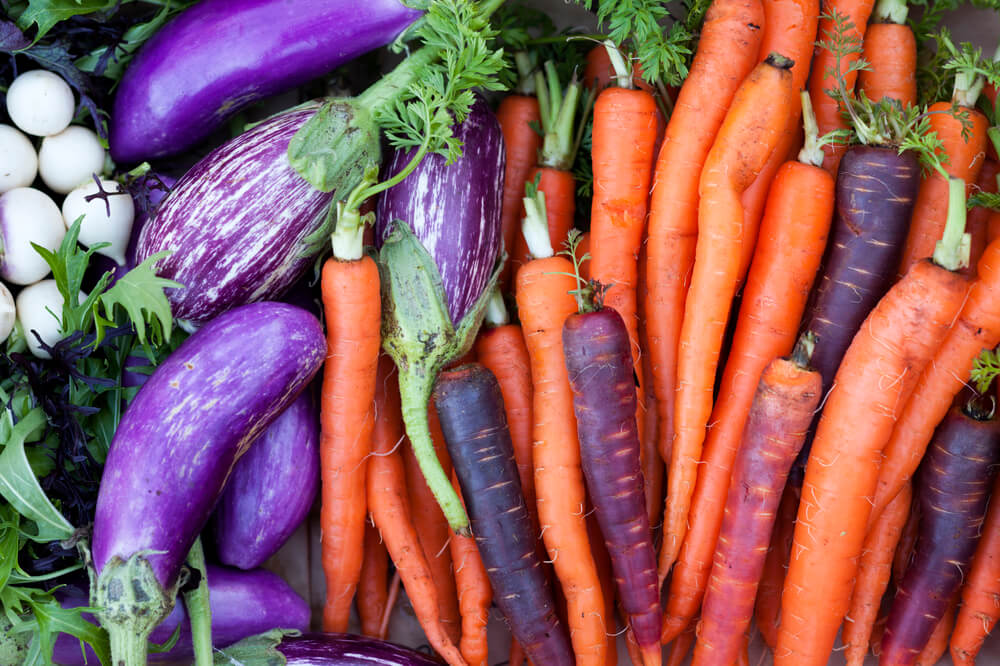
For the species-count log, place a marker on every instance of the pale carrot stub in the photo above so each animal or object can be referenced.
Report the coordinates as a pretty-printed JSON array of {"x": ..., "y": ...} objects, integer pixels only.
[
  {"x": 876, "y": 376},
  {"x": 744, "y": 143},
  {"x": 544, "y": 303},
  {"x": 730, "y": 38},
  {"x": 352, "y": 310}
]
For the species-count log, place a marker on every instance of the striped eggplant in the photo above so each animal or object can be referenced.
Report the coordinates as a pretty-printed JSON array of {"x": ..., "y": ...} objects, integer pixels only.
[
  {"x": 179, "y": 88},
  {"x": 271, "y": 488},
  {"x": 244, "y": 603},
  {"x": 237, "y": 223},
  {"x": 440, "y": 237},
  {"x": 174, "y": 448},
  {"x": 454, "y": 209}
]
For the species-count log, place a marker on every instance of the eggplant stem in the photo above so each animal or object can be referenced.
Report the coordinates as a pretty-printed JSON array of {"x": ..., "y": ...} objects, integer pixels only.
[
  {"x": 415, "y": 386},
  {"x": 198, "y": 608}
]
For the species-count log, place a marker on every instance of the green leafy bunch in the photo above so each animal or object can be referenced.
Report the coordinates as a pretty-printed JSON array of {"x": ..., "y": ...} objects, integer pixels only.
[
  {"x": 443, "y": 94},
  {"x": 639, "y": 27}
]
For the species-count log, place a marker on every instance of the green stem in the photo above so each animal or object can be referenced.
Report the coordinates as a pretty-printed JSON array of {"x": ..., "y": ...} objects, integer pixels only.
[
  {"x": 415, "y": 386},
  {"x": 891, "y": 11},
  {"x": 804, "y": 348},
  {"x": 392, "y": 85},
  {"x": 127, "y": 649},
  {"x": 812, "y": 149},
  {"x": 535, "y": 226},
  {"x": 952, "y": 251},
  {"x": 525, "y": 80},
  {"x": 198, "y": 609},
  {"x": 496, "y": 314},
  {"x": 994, "y": 135},
  {"x": 558, "y": 147},
  {"x": 623, "y": 71},
  {"x": 544, "y": 103}
]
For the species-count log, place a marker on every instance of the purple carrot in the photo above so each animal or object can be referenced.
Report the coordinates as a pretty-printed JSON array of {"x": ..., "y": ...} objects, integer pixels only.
[
  {"x": 952, "y": 491},
  {"x": 876, "y": 188},
  {"x": 599, "y": 363},
  {"x": 776, "y": 426},
  {"x": 471, "y": 411},
  {"x": 271, "y": 488}
]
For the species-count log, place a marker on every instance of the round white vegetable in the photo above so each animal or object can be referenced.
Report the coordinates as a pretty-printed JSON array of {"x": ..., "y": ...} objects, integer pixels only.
[
  {"x": 106, "y": 219},
  {"x": 39, "y": 308},
  {"x": 70, "y": 158},
  {"x": 7, "y": 312},
  {"x": 18, "y": 161},
  {"x": 27, "y": 216},
  {"x": 40, "y": 103}
]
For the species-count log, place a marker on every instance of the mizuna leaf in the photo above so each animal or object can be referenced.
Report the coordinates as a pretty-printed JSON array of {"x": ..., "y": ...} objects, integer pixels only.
[{"x": 140, "y": 295}]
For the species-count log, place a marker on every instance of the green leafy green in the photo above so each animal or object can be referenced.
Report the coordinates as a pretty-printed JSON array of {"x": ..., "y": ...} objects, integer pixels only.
[
  {"x": 47, "y": 13},
  {"x": 985, "y": 369},
  {"x": 139, "y": 293}
]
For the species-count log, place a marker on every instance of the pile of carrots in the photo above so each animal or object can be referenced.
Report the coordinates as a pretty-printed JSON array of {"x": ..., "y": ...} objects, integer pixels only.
[{"x": 802, "y": 309}]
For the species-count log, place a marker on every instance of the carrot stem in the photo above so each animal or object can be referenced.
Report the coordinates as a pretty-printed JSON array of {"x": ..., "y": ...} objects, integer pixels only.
[
  {"x": 623, "y": 71},
  {"x": 496, "y": 310},
  {"x": 952, "y": 251},
  {"x": 812, "y": 148},
  {"x": 536, "y": 225},
  {"x": 891, "y": 11},
  {"x": 526, "y": 82}
]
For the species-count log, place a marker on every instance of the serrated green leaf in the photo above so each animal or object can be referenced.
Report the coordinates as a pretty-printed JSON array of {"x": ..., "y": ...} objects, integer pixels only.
[
  {"x": 50, "y": 619},
  {"x": 20, "y": 487},
  {"x": 46, "y": 13},
  {"x": 140, "y": 295}
]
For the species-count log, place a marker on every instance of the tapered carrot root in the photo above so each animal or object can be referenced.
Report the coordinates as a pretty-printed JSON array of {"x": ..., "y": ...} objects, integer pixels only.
[
  {"x": 471, "y": 411},
  {"x": 726, "y": 53},
  {"x": 599, "y": 363},
  {"x": 474, "y": 596},
  {"x": 953, "y": 489},
  {"x": 544, "y": 303},
  {"x": 602, "y": 560},
  {"x": 390, "y": 509},
  {"x": 353, "y": 317},
  {"x": 786, "y": 396},
  {"x": 966, "y": 151},
  {"x": 767, "y": 610},
  {"x": 980, "y": 607},
  {"x": 977, "y": 328},
  {"x": 793, "y": 239},
  {"x": 373, "y": 586},
  {"x": 744, "y": 143},
  {"x": 680, "y": 647},
  {"x": 874, "y": 573},
  {"x": 878, "y": 373}
]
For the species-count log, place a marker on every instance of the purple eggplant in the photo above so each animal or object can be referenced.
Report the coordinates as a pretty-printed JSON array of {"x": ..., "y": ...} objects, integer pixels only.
[
  {"x": 271, "y": 488},
  {"x": 244, "y": 603},
  {"x": 174, "y": 448},
  {"x": 440, "y": 231},
  {"x": 453, "y": 209},
  {"x": 278, "y": 647},
  {"x": 237, "y": 224},
  {"x": 222, "y": 55}
]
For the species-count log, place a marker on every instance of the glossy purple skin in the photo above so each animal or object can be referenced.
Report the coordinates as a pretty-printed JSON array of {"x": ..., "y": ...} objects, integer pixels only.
[
  {"x": 271, "y": 488},
  {"x": 236, "y": 224},
  {"x": 454, "y": 209},
  {"x": 244, "y": 603},
  {"x": 196, "y": 415},
  {"x": 221, "y": 55},
  {"x": 348, "y": 650}
]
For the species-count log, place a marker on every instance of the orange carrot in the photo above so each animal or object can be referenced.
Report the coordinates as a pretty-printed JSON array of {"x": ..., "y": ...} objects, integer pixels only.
[
  {"x": 544, "y": 302},
  {"x": 373, "y": 586},
  {"x": 474, "y": 595},
  {"x": 618, "y": 211},
  {"x": 433, "y": 530},
  {"x": 745, "y": 141},
  {"x": 521, "y": 143},
  {"x": 352, "y": 308},
  {"x": 390, "y": 509},
  {"x": 879, "y": 372},
  {"x": 681, "y": 646},
  {"x": 600, "y": 73},
  {"x": 965, "y": 161},
  {"x": 874, "y": 572},
  {"x": 891, "y": 51},
  {"x": 793, "y": 239},
  {"x": 768, "y": 607},
  {"x": 789, "y": 29},
  {"x": 977, "y": 328},
  {"x": 726, "y": 53},
  {"x": 602, "y": 560},
  {"x": 828, "y": 111},
  {"x": 981, "y": 592},
  {"x": 653, "y": 468}
]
